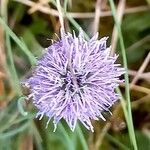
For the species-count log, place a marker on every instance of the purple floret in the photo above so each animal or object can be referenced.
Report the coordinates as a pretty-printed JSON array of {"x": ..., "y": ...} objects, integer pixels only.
[{"x": 75, "y": 80}]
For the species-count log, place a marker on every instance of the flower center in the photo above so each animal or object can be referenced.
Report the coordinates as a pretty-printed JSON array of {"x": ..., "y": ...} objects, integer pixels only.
[{"x": 71, "y": 82}]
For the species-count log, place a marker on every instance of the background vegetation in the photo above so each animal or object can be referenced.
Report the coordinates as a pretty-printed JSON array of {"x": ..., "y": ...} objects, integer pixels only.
[{"x": 26, "y": 28}]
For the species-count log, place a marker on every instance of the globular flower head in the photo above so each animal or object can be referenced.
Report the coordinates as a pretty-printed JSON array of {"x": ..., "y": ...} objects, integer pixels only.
[{"x": 75, "y": 80}]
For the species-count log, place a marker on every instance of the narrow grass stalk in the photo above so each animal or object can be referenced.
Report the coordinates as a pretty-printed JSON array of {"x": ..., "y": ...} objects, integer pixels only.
[
  {"x": 9, "y": 123},
  {"x": 72, "y": 20},
  {"x": 82, "y": 138},
  {"x": 27, "y": 117},
  {"x": 65, "y": 5},
  {"x": 117, "y": 142},
  {"x": 12, "y": 70},
  {"x": 21, "y": 44},
  {"x": 61, "y": 19},
  {"x": 36, "y": 135},
  {"x": 127, "y": 92},
  {"x": 69, "y": 142},
  {"x": 14, "y": 131}
]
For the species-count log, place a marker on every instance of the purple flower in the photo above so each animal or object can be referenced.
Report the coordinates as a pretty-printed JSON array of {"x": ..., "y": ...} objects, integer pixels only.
[{"x": 75, "y": 80}]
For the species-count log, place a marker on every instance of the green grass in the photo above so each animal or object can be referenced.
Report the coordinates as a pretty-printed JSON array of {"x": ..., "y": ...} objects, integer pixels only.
[
  {"x": 19, "y": 42},
  {"x": 127, "y": 109}
]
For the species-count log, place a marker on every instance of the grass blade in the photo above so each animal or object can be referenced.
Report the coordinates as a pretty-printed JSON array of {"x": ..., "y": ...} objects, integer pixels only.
[
  {"x": 127, "y": 92},
  {"x": 118, "y": 143},
  {"x": 14, "y": 131},
  {"x": 70, "y": 144},
  {"x": 82, "y": 138},
  {"x": 22, "y": 46}
]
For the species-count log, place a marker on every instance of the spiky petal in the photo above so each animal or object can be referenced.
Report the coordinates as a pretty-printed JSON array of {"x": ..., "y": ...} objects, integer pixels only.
[{"x": 75, "y": 80}]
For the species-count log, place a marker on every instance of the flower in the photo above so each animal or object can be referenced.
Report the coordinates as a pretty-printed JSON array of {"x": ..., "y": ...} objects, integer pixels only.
[{"x": 75, "y": 80}]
